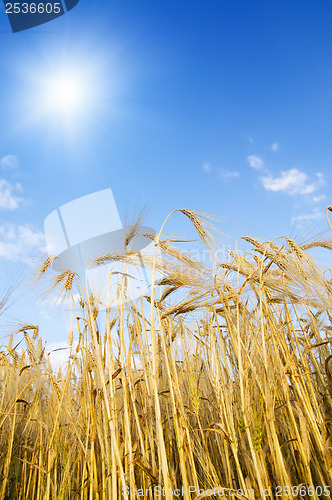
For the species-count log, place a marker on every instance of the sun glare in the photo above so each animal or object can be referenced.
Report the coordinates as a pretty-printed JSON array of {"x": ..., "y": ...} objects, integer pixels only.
[{"x": 65, "y": 94}]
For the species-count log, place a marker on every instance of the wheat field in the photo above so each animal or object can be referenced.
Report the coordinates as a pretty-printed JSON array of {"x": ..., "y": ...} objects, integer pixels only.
[{"x": 223, "y": 389}]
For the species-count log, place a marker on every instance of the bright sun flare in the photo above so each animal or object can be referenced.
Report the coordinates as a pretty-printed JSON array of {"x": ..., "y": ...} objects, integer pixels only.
[{"x": 65, "y": 94}]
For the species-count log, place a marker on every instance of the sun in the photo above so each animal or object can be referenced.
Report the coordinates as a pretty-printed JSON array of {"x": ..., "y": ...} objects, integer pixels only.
[
  {"x": 65, "y": 94},
  {"x": 63, "y": 100}
]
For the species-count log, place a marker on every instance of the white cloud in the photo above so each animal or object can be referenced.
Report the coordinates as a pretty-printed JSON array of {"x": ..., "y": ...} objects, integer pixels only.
[
  {"x": 255, "y": 161},
  {"x": 59, "y": 353},
  {"x": 228, "y": 174},
  {"x": 9, "y": 162},
  {"x": 207, "y": 168},
  {"x": 53, "y": 300},
  {"x": 8, "y": 195},
  {"x": 19, "y": 242},
  {"x": 317, "y": 199},
  {"x": 292, "y": 181},
  {"x": 315, "y": 215},
  {"x": 275, "y": 147}
]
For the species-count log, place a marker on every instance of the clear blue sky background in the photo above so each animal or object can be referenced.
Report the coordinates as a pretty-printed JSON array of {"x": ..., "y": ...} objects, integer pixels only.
[{"x": 221, "y": 106}]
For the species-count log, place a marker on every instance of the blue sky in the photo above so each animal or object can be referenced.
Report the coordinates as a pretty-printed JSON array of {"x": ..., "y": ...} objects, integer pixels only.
[{"x": 221, "y": 106}]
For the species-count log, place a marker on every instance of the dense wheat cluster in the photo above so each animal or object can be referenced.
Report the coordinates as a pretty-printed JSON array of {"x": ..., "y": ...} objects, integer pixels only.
[{"x": 225, "y": 384}]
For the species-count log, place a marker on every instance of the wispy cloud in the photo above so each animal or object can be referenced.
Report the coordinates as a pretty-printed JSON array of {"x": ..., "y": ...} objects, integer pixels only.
[
  {"x": 59, "y": 353},
  {"x": 54, "y": 300},
  {"x": 318, "y": 198},
  {"x": 206, "y": 167},
  {"x": 9, "y": 200},
  {"x": 9, "y": 162},
  {"x": 315, "y": 215},
  {"x": 228, "y": 175},
  {"x": 255, "y": 161},
  {"x": 275, "y": 147},
  {"x": 19, "y": 242},
  {"x": 293, "y": 182}
]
